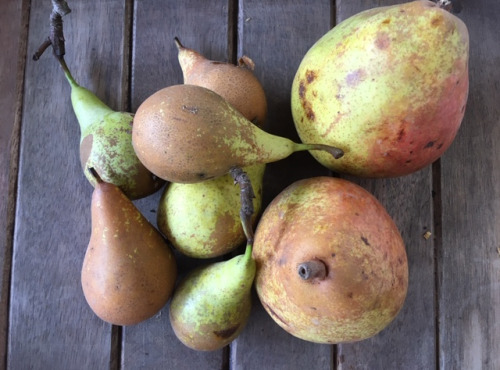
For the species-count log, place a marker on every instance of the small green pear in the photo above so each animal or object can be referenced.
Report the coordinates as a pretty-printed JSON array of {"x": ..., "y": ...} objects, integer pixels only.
[
  {"x": 106, "y": 144},
  {"x": 212, "y": 304},
  {"x": 202, "y": 220},
  {"x": 188, "y": 133}
]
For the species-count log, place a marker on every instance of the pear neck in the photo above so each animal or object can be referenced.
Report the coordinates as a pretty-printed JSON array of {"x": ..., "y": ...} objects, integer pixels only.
[{"x": 88, "y": 107}]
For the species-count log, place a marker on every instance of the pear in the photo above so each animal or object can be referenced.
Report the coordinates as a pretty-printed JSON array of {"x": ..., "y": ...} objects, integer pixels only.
[
  {"x": 202, "y": 220},
  {"x": 388, "y": 85},
  {"x": 106, "y": 144},
  {"x": 235, "y": 83},
  {"x": 331, "y": 263},
  {"x": 188, "y": 134},
  {"x": 212, "y": 304},
  {"x": 129, "y": 271}
]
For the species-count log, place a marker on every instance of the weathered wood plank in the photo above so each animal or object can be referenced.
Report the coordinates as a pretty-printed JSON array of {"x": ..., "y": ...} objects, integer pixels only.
[
  {"x": 13, "y": 18},
  {"x": 409, "y": 341},
  {"x": 51, "y": 325},
  {"x": 469, "y": 262},
  {"x": 202, "y": 26},
  {"x": 276, "y": 35}
]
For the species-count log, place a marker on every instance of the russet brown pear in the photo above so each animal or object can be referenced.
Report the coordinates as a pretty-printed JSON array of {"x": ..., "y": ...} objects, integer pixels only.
[
  {"x": 129, "y": 271},
  {"x": 188, "y": 133}
]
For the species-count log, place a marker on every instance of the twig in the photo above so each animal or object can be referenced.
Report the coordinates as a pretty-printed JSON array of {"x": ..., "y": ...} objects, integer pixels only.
[
  {"x": 246, "y": 194},
  {"x": 56, "y": 37}
]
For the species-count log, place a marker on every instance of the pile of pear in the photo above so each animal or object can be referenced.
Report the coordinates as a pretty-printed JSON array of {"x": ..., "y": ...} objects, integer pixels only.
[{"x": 382, "y": 94}]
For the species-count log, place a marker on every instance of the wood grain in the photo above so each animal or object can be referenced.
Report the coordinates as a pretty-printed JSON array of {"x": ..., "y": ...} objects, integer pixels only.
[
  {"x": 14, "y": 20},
  {"x": 469, "y": 261},
  {"x": 51, "y": 325}
]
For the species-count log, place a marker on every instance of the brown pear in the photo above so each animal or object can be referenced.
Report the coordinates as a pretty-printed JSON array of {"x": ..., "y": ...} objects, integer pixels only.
[
  {"x": 235, "y": 83},
  {"x": 128, "y": 271}
]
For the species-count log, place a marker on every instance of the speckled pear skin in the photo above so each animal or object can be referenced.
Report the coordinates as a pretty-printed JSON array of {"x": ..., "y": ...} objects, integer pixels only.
[
  {"x": 129, "y": 271},
  {"x": 106, "y": 144},
  {"x": 202, "y": 220},
  {"x": 212, "y": 304},
  {"x": 389, "y": 85},
  {"x": 340, "y": 225}
]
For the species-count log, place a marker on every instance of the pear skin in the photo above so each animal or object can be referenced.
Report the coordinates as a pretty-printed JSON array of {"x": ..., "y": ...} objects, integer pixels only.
[
  {"x": 106, "y": 144},
  {"x": 235, "y": 83},
  {"x": 129, "y": 271},
  {"x": 188, "y": 133},
  {"x": 389, "y": 85},
  {"x": 331, "y": 263},
  {"x": 202, "y": 220},
  {"x": 212, "y": 304}
]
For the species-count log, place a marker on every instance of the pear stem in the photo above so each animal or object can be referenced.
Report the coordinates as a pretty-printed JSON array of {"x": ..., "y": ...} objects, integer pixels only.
[
  {"x": 334, "y": 151},
  {"x": 314, "y": 269},
  {"x": 178, "y": 43},
  {"x": 452, "y": 6},
  {"x": 66, "y": 71},
  {"x": 246, "y": 195},
  {"x": 96, "y": 175}
]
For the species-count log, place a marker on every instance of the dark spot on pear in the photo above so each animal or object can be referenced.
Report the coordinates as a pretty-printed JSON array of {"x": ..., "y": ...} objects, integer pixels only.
[
  {"x": 430, "y": 144},
  {"x": 310, "y": 76},
  {"x": 333, "y": 255},
  {"x": 386, "y": 21},
  {"x": 365, "y": 240},
  {"x": 275, "y": 315},
  {"x": 401, "y": 134},
  {"x": 226, "y": 333},
  {"x": 350, "y": 295},
  {"x": 302, "y": 90},
  {"x": 436, "y": 21},
  {"x": 440, "y": 146},
  {"x": 313, "y": 308}
]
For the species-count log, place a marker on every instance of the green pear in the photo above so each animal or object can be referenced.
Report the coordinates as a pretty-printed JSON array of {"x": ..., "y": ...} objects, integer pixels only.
[
  {"x": 202, "y": 220},
  {"x": 188, "y": 133},
  {"x": 235, "y": 83},
  {"x": 212, "y": 304},
  {"x": 129, "y": 271},
  {"x": 388, "y": 85},
  {"x": 106, "y": 144}
]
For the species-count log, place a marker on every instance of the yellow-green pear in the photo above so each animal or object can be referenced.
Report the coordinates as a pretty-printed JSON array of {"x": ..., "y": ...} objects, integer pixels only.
[
  {"x": 212, "y": 304},
  {"x": 106, "y": 144},
  {"x": 202, "y": 220},
  {"x": 388, "y": 85}
]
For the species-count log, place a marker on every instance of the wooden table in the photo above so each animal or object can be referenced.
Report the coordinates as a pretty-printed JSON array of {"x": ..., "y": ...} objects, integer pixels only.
[{"x": 124, "y": 51}]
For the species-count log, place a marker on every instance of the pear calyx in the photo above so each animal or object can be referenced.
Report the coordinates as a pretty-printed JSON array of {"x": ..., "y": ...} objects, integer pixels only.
[{"x": 311, "y": 270}]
